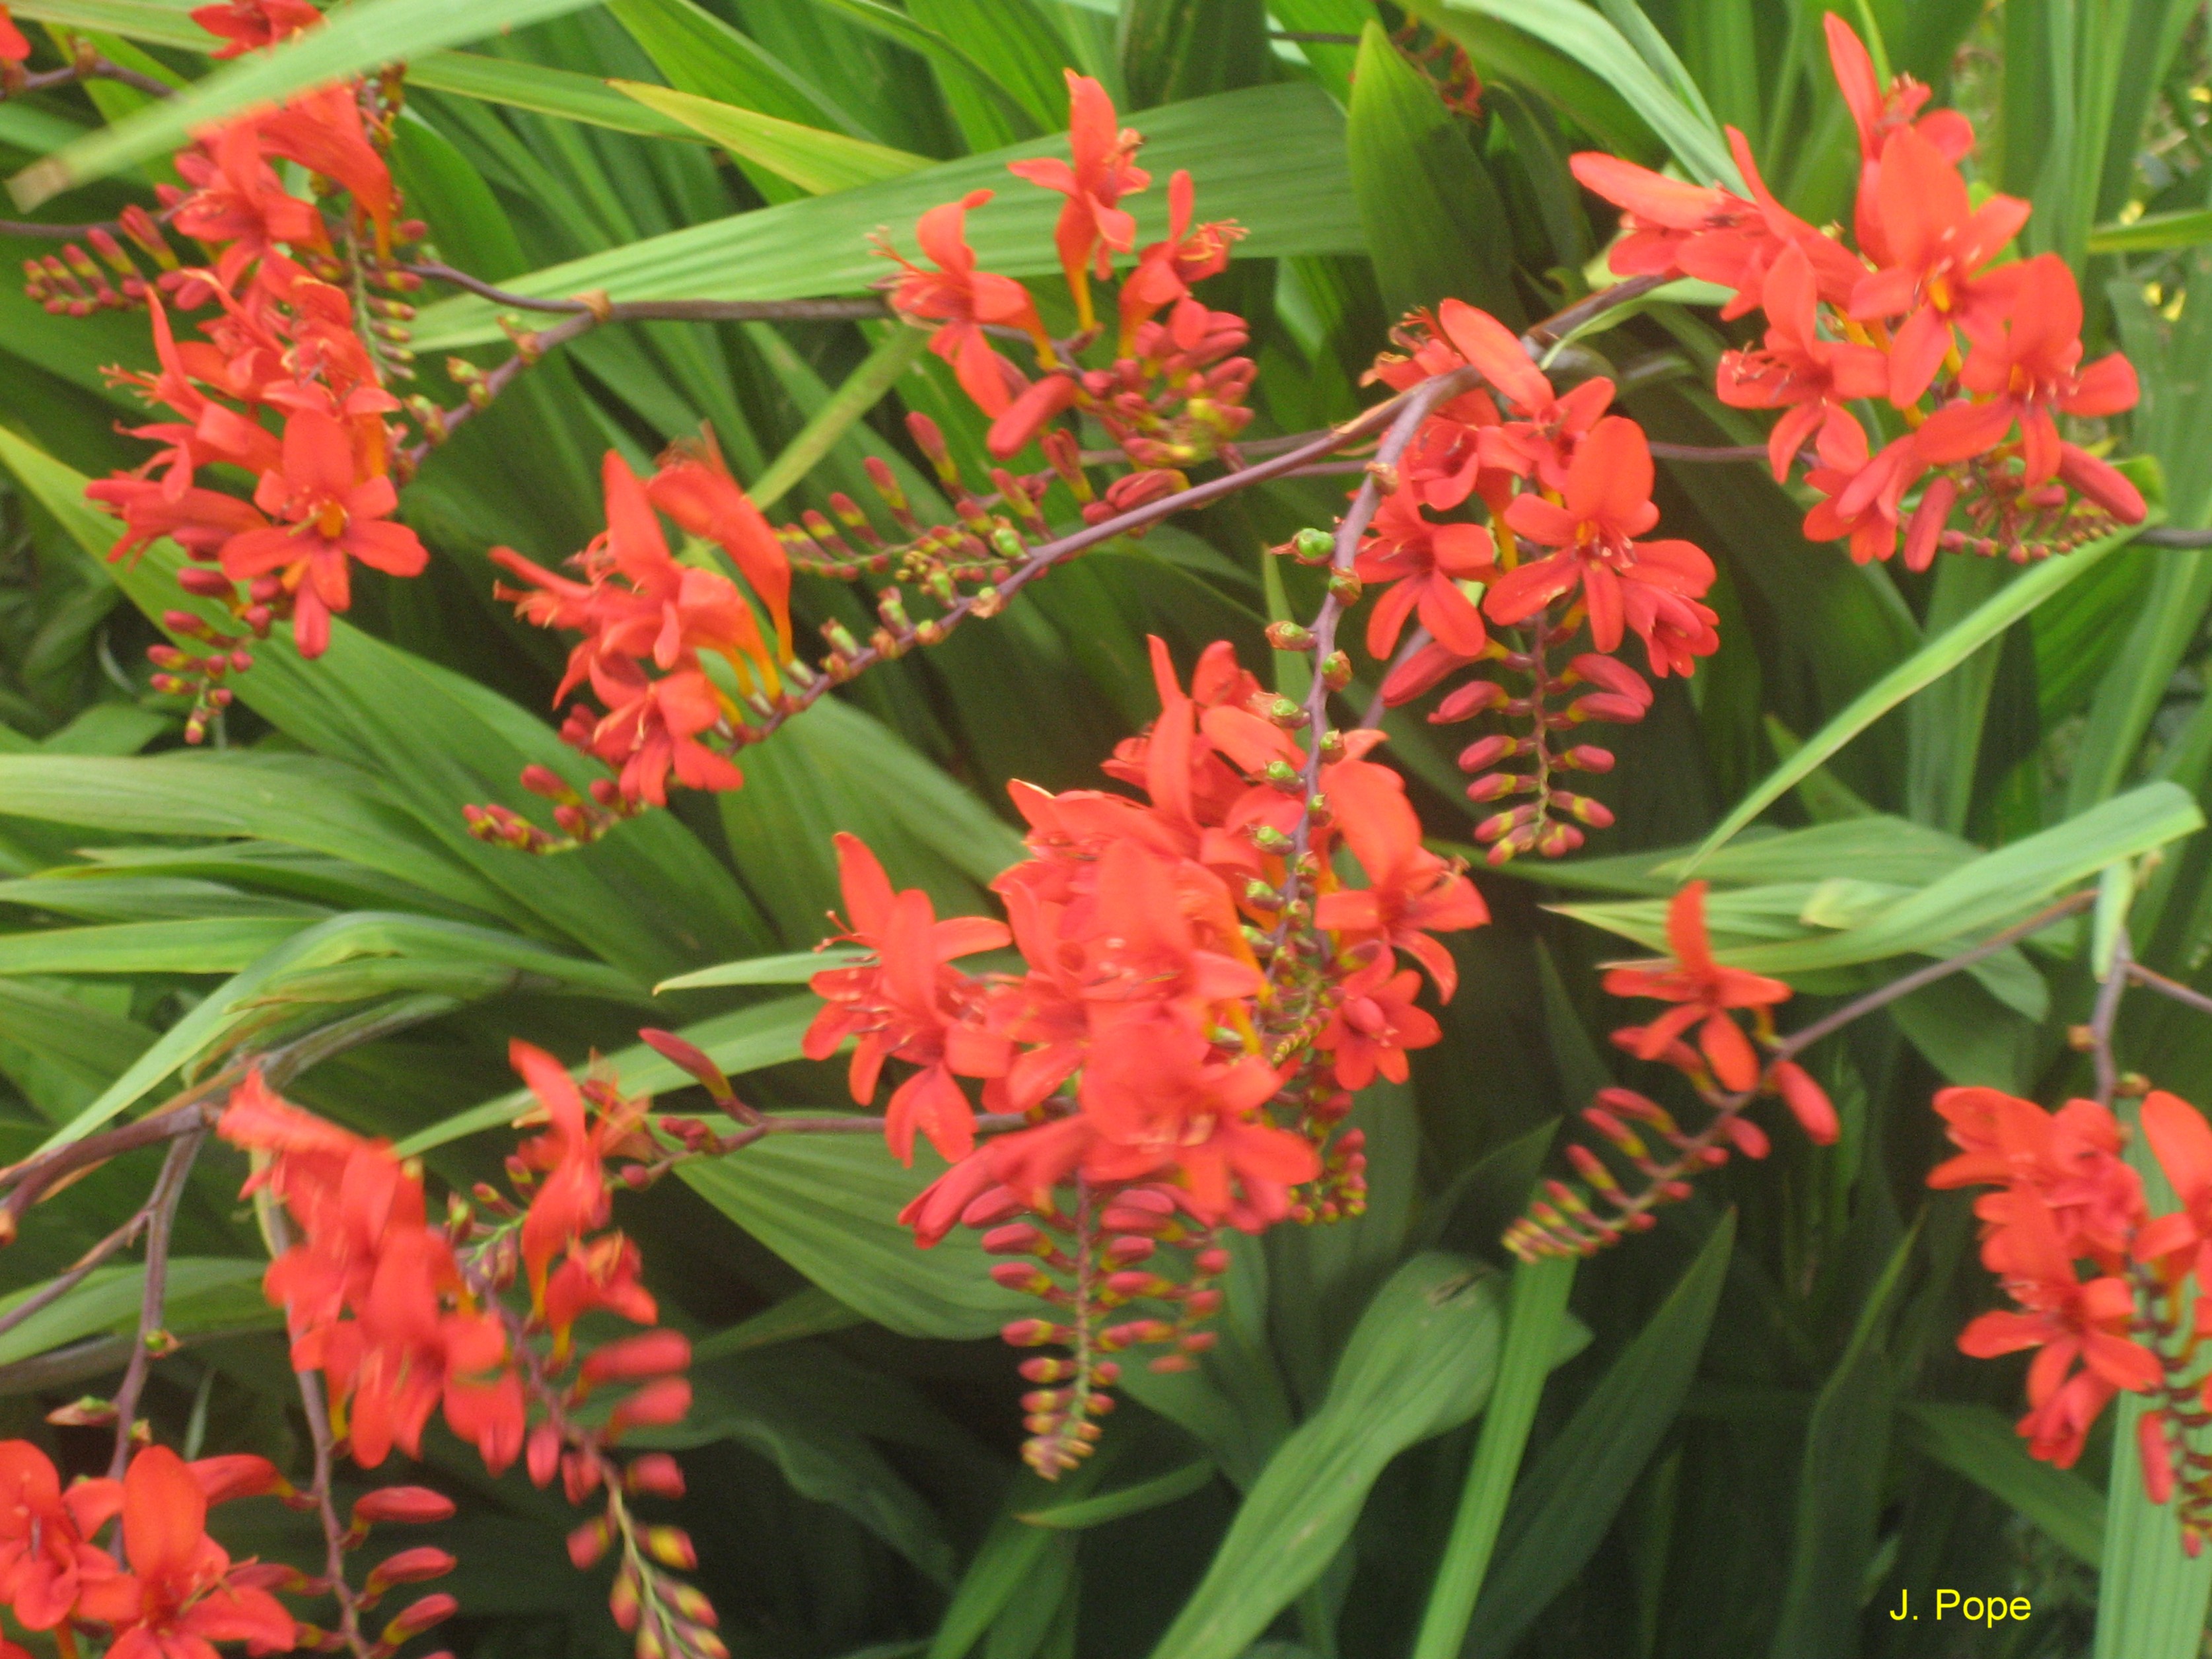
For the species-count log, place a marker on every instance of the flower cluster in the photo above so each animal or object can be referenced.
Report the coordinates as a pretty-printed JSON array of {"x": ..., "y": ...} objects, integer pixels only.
[
  {"x": 174, "y": 1594},
  {"x": 2101, "y": 1287},
  {"x": 1974, "y": 356},
  {"x": 286, "y": 387},
  {"x": 404, "y": 1318},
  {"x": 282, "y": 450},
  {"x": 1700, "y": 1037},
  {"x": 1173, "y": 396},
  {"x": 1565, "y": 490},
  {"x": 1177, "y": 1053},
  {"x": 639, "y": 609}
]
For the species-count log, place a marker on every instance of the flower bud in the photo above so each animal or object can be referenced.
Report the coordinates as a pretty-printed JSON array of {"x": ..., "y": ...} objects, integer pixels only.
[
  {"x": 655, "y": 1406},
  {"x": 430, "y": 1610},
  {"x": 2157, "y": 1460},
  {"x": 409, "y": 1505},
  {"x": 655, "y": 1475},
  {"x": 1312, "y": 546},
  {"x": 1289, "y": 637},
  {"x": 670, "y": 1546},
  {"x": 409, "y": 1567},
  {"x": 649, "y": 1353},
  {"x": 1808, "y": 1101},
  {"x": 589, "y": 1543}
]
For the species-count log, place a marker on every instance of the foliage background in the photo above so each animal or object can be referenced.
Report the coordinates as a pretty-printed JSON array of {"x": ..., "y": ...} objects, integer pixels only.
[{"x": 1758, "y": 1434}]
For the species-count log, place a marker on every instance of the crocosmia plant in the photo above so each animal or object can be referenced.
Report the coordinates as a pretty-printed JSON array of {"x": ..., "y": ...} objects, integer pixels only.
[{"x": 706, "y": 699}]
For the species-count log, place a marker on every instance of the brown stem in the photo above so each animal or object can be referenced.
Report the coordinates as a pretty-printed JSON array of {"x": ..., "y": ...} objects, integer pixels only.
[
  {"x": 2167, "y": 987},
  {"x": 90, "y": 66},
  {"x": 1797, "y": 1042},
  {"x": 2105, "y": 1016},
  {"x": 63, "y": 1284},
  {"x": 168, "y": 1192}
]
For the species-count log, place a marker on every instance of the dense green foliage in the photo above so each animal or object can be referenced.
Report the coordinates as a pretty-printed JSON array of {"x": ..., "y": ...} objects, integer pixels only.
[{"x": 1747, "y": 1431}]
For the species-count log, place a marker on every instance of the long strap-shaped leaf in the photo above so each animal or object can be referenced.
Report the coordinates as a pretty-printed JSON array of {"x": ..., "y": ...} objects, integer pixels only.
[
  {"x": 1924, "y": 667},
  {"x": 367, "y": 34},
  {"x": 1272, "y": 157},
  {"x": 1537, "y": 1305},
  {"x": 2151, "y": 1594}
]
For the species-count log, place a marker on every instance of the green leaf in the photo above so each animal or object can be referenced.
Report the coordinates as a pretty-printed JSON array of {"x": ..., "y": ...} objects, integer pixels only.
[
  {"x": 203, "y": 1294},
  {"x": 1171, "y": 50},
  {"x": 361, "y": 36},
  {"x": 1840, "y": 1488},
  {"x": 701, "y": 54},
  {"x": 1011, "y": 1553},
  {"x": 945, "y": 55},
  {"x": 795, "y": 968},
  {"x": 562, "y": 93},
  {"x": 433, "y": 949},
  {"x": 1980, "y": 1444},
  {"x": 1537, "y": 1313},
  {"x": 2151, "y": 1594},
  {"x": 1967, "y": 902},
  {"x": 2154, "y": 233},
  {"x": 818, "y": 162},
  {"x": 828, "y": 1204},
  {"x": 1155, "y": 1493},
  {"x": 749, "y": 1040},
  {"x": 1422, "y": 1360},
  {"x": 2017, "y": 599},
  {"x": 221, "y": 945},
  {"x": 899, "y": 349},
  {"x": 1435, "y": 222},
  {"x": 1563, "y": 1506},
  {"x": 1584, "y": 35},
  {"x": 1272, "y": 157},
  {"x": 810, "y": 1312}
]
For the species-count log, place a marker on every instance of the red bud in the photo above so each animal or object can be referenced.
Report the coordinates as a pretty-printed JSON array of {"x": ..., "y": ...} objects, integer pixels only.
[
  {"x": 654, "y": 1406},
  {"x": 656, "y": 1474},
  {"x": 411, "y": 1505},
  {"x": 650, "y": 1353}
]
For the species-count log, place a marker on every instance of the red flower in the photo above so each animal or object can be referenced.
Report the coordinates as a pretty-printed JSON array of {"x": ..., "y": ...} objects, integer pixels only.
[
  {"x": 45, "y": 1561},
  {"x": 570, "y": 1198},
  {"x": 1411, "y": 892},
  {"x": 1166, "y": 270},
  {"x": 1426, "y": 561},
  {"x": 248, "y": 25},
  {"x": 1542, "y": 443},
  {"x": 336, "y": 511},
  {"x": 2065, "y": 1164},
  {"x": 901, "y": 1006},
  {"x": 182, "y": 1594},
  {"x": 1650, "y": 586},
  {"x": 2025, "y": 364},
  {"x": 1933, "y": 242},
  {"x": 1864, "y": 493},
  {"x": 2066, "y": 1319},
  {"x": 1375, "y": 1022},
  {"x": 965, "y": 300},
  {"x": 694, "y": 487},
  {"x": 1798, "y": 370},
  {"x": 1705, "y": 992},
  {"x": 14, "y": 48},
  {"x": 2183, "y": 1143},
  {"x": 1877, "y": 111},
  {"x": 1105, "y": 170}
]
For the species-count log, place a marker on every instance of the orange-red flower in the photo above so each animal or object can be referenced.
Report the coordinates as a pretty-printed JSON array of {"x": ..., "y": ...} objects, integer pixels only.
[
  {"x": 1412, "y": 894},
  {"x": 14, "y": 48},
  {"x": 903, "y": 1005},
  {"x": 1650, "y": 586},
  {"x": 248, "y": 25},
  {"x": 1934, "y": 244},
  {"x": 965, "y": 301},
  {"x": 182, "y": 1594},
  {"x": 1703, "y": 991},
  {"x": 2025, "y": 364},
  {"x": 334, "y": 510},
  {"x": 1091, "y": 226},
  {"x": 1797, "y": 369}
]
